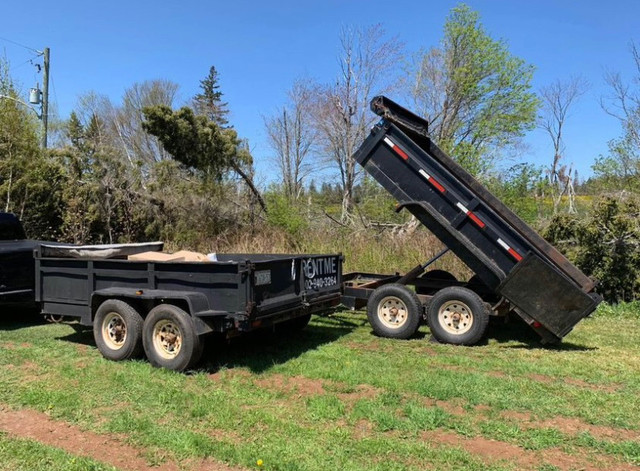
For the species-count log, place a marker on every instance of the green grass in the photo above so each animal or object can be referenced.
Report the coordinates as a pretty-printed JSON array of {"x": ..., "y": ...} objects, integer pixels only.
[
  {"x": 27, "y": 455},
  {"x": 337, "y": 397}
]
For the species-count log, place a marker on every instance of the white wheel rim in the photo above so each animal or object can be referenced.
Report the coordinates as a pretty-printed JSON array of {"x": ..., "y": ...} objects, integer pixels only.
[
  {"x": 114, "y": 331},
  {"x": 167, "y": 339},
  {"x": 393, "y": 312},
  {"x": 455, "y": 317}
]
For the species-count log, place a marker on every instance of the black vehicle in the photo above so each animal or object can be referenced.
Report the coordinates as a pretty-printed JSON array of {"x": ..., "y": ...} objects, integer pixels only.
[
  {"x": 516, "y": 270},
  {"x": 17, "y": 268},
  {"x": 166, "y": 309}
]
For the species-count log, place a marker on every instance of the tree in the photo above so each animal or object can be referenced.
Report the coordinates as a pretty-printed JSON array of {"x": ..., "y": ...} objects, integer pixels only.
[
  {"x": 200, "y": 143},
  {"x": 292, "y": 137},
  {"x": 101, "y": 193},
  {"x": 557, "y": 99},
  {"x": 620, "y": 169},
  {"x": 209, "y": 101},
  {"x": 368, "y": 63},
  {"x": 126, "y": 120},
  {"x": 605, "y": 245},
  {"x": 475, "y": 94}
]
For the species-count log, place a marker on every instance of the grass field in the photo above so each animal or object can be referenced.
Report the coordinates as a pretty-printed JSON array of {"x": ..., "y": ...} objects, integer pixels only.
[{"x": 334, "y": 397}]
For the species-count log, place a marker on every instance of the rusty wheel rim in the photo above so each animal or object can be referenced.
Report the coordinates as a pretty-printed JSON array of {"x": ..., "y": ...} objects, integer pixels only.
[
  {"x": 392, "y": 312},
  {"x": 455, "y": 317},
  {"x": 114, "y": 331},
  {"x": 167, "y": 339}
]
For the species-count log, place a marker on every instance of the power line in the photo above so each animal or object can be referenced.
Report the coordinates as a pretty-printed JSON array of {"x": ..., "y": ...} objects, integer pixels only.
[{"x": 22, "y": 45}]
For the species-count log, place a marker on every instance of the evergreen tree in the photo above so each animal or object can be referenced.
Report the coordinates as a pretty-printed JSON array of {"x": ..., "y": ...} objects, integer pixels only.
[{"x": 209, "y": 102}]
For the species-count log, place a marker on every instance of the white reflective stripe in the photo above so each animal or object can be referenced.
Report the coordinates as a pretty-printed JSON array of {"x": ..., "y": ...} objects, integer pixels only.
[
  {"x": 504, "y": 244},
  {"x": 424, "y": 174},
  {"x": 462, "y": 207},
  {"x": 389, "y": 142}
]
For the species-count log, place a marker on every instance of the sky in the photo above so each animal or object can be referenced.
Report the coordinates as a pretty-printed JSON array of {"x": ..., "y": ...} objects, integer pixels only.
[{"x": 261, "y": 48}]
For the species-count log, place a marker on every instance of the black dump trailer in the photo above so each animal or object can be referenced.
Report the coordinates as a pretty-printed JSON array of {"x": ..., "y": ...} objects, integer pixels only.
[
  {"x": 166, "y": 309},
  {"x": 515, "y": 269}
]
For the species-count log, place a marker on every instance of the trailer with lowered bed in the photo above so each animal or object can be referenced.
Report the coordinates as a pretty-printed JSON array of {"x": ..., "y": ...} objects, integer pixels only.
[{"x": 167, "y": 309}]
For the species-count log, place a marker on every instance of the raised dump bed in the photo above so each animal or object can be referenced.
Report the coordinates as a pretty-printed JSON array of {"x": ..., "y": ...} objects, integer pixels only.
[
  {"x": 516, "y": 269},
  {"x": 167, "y": 308}
]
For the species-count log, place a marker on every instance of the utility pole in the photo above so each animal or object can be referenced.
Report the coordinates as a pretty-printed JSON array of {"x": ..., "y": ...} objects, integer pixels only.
[{"x": 45, "y": 97}]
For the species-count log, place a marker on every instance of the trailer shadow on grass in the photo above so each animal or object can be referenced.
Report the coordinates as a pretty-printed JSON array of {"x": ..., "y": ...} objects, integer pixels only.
[
  {"x": 258, "y": 350},
  {"x": 20, "y": 318},
  {"x": 261, "y": 350},
  {"x": 517, "y": 330}
]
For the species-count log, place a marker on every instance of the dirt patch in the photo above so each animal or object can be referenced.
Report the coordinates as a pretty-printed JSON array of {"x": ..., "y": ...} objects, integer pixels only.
[
  {"x": 82, "y": 349},
  {"x": 363, "y": 429},
  {"x": 449, "y": 407},
  {"x": 493, "y": 451},
  {"x": 298, "y": 385},
  {"x": 516, "y": 416},
  {"x": 230, "y": 373},
  {"x": 572, "y": 426},
  {"x": 497, "y": 374},
  {"x": 363, "y": 391},
  {"x": 541, "y": 378},
  {"x": 612, "y": 388},
  {"x": 105, "y": 449},
  {"x": 574, "y": 382}
]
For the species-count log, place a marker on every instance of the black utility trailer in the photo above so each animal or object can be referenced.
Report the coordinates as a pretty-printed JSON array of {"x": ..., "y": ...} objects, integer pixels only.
[
  {"x": 167, "y": 308},
  {"x": 515, "y": 269}
]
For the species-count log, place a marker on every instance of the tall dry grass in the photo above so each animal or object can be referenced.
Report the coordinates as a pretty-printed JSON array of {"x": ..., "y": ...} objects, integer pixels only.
[{"x": 365, "y": 250}]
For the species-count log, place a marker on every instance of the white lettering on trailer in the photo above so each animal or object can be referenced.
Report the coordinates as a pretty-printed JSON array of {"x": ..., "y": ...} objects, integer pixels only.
[{"x": 320, "y": 272}]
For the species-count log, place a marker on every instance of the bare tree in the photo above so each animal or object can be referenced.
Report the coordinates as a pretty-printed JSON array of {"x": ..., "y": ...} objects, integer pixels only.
[
  {"x": 557, "y": 100},
  {"x": 293, "y": 137},
  {"x": 624, "y": 104},
  {"x": 140, "y": 146},
  {"x": 368, "y": 63}
]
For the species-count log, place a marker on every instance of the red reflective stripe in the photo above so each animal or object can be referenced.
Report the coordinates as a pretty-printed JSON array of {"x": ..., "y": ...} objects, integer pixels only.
[
  {"x": 515, "y": 254},
  {"x": 438, "y": 186},
  {"x": 476, "y": 219},
  {"x": 400, "y": 152}
]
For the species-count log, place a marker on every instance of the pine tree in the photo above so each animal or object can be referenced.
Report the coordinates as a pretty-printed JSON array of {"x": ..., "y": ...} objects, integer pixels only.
[{"x": 209, "y": 102}]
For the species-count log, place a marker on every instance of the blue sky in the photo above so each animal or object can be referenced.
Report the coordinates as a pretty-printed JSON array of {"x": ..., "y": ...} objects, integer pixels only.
[{"x": 260, "y": 48}]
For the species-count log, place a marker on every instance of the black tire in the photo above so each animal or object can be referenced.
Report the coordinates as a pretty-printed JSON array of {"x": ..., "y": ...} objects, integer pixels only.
[
  {"x": 294, "y": 325},
  {"x": 440, "y": 275},
  {"x": 117, "y": 330},
  {"x": 170, "y": 339},
  {"x": 458, "y": 316},
  {"x": 394, "y": 311}
]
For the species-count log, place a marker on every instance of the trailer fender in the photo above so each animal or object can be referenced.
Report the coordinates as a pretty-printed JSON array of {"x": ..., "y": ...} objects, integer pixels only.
[{"x": 195, "y": 304}]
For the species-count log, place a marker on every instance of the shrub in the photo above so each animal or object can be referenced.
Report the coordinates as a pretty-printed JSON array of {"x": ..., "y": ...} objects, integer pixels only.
[{"x": 605, "y": 245}]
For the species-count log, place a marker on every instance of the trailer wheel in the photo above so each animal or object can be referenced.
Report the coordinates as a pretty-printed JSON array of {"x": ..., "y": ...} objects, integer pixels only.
[
  {"x": 394, "y": 311},
  {"x": 458, "y": 316},
  {"x": 169, "y": 338},
  {"x": 117, "y": 330}
]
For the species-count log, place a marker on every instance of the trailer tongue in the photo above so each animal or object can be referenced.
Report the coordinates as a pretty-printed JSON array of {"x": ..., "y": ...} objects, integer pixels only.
[{"x": 527, "y": 274}]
